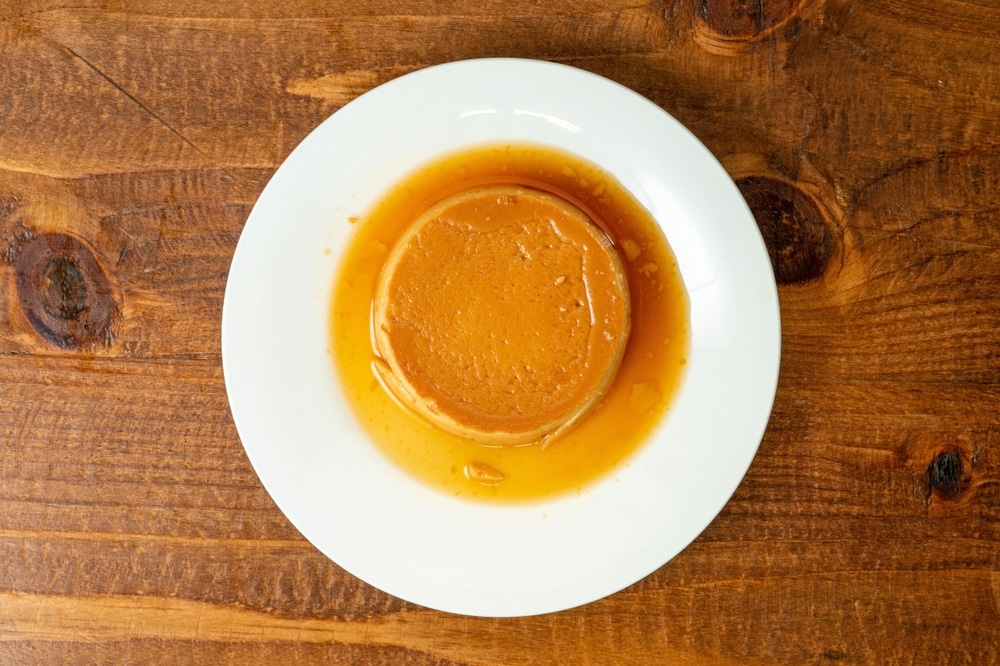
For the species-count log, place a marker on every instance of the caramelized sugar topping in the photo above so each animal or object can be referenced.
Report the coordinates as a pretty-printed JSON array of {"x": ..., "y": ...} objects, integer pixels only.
[{"x": 501, "y": 315}]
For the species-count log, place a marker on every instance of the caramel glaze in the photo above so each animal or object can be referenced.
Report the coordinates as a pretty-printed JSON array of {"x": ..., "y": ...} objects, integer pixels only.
[
  {"x": 501, "y": 315},
  {"x": 599, "y": 442}
]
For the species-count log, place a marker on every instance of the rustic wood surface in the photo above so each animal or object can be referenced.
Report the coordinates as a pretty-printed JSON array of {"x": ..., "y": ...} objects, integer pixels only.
[{"x": 134, "y": 139}]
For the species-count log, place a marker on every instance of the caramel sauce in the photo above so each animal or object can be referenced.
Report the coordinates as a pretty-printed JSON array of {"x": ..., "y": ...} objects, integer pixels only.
[{"x": 648, "y": 376}]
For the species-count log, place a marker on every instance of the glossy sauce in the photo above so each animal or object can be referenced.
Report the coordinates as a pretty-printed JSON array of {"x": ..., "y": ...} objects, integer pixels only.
[{"x": 637, "y": 399}]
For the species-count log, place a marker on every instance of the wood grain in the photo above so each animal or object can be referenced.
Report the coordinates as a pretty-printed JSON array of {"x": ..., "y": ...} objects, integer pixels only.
[{"x": 865, "y": 136}]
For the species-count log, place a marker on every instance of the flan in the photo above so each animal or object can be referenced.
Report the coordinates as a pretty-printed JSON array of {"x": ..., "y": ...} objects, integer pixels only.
[{"x": 501, "y": 315}]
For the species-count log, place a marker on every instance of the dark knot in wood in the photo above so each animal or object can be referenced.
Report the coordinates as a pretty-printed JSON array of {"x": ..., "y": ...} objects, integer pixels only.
[
  {"x": 798, "y": 239},
  {"x": 945, "y": 474},
  {"x": 746, "y": 19},
  {"x": 64, "y": 292},
  {"x": 66, "y": 295}
]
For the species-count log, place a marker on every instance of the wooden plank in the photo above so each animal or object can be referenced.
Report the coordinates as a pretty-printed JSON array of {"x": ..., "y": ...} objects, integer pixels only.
[{"x": 134, "y": 139}]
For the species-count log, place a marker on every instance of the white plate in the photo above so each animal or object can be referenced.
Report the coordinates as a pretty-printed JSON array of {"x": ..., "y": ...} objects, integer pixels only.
[{"x": 393, "y": 532}]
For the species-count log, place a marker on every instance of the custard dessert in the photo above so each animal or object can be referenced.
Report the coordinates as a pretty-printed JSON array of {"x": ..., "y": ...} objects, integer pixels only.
[{"x": 501, "y": 315}]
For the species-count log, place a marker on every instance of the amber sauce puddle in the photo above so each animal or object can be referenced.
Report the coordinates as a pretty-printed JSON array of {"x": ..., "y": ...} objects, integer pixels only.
[{"x": 637, "y": 401}]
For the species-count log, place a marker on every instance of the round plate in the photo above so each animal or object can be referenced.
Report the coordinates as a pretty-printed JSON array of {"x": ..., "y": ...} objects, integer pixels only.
[{"x": 374, "y": 520}]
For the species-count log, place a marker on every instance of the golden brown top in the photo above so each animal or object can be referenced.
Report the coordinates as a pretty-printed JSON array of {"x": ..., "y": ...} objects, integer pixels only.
[{"x": 501, "y": 315}]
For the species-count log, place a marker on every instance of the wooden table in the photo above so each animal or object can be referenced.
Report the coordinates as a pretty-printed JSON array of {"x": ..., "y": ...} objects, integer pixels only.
[{"x": 134, "y": 139}]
